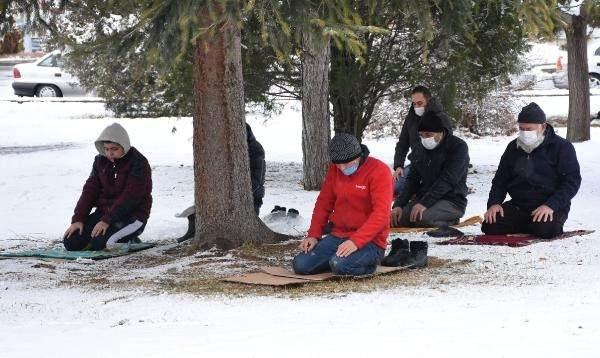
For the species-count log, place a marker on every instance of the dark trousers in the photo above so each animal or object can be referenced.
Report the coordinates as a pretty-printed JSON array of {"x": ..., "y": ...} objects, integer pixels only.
[
  {"x": 257, "y": 204},
  {"x": 519, "y": 221},
  {"x": 85, "y": 241},
  {"x": 443, "y": 213},
  {"x": 322, "y": 258}
]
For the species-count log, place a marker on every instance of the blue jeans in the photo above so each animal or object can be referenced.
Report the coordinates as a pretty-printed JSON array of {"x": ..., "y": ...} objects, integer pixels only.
[
  {"x": 322, "y": 258},
  {"x": 401, "y": 183}
]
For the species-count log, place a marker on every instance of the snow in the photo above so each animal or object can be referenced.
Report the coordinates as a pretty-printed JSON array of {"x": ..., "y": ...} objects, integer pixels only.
[{"x": 541, "y": 300}]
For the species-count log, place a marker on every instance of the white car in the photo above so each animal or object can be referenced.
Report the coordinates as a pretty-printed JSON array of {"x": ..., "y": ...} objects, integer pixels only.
[
  {"x": 561, "y": 77},
  {"x": 45, "y": 78}
]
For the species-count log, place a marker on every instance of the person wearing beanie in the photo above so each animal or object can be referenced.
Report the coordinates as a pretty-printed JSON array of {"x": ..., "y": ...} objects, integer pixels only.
[
  {"x": 435, "y": 194},
  {"x": 422, "y": 102},
  {"x": 119, "y": 188},
  {"x": 350, "y": 225},
  {"x": 540, "y": 172}
]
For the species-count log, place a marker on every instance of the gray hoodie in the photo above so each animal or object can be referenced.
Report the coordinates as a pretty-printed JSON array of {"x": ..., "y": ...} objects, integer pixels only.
[{"x": 114, "y": 133}]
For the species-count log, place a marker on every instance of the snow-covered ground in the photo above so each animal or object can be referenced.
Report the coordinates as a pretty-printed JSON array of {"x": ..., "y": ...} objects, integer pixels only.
[{"x": 536, "y": 301}]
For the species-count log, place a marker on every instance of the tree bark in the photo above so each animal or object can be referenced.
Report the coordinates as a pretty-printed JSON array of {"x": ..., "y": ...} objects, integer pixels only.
[
  {"x": 578, "y": 129},
  {"x": 224, "y": 209},
  {"x": 316, "y": 127}
]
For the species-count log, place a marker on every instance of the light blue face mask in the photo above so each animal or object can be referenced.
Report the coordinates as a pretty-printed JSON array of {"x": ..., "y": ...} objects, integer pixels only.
[{"x": 350, "y": 170}]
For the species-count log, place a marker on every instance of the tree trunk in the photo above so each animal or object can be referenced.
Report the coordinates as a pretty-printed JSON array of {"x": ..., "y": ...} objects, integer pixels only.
[
  {"x": 316, "y": 127},
  {"x": 578, "y": 129},
  {"x": 224, "y": 209}
]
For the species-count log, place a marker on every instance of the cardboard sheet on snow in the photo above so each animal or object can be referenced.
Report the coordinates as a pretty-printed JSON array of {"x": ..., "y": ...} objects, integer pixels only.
[
  {"x": 281, "y": 276},
  {"x": 61, "y": 253},
  {"x": 514, "y": 240},
  {"x": 467, "y": 222}
]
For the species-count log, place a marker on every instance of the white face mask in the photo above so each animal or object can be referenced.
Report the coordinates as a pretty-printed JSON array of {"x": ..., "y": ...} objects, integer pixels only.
[
  {"x": 528, "y": 137},
  {"x": 419, "y": 111},
  {"x": 429, "y": 143}
]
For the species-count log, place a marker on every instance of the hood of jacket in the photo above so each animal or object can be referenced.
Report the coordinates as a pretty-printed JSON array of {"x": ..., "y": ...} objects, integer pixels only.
[{"x": 114, "y": 133}]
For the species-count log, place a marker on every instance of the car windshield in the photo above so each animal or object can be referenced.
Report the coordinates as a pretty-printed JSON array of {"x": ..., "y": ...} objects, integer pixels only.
[{"x": 597, "y": 52}]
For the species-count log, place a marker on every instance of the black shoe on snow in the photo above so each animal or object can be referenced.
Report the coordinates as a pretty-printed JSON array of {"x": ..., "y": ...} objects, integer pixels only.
[
  {"x": 418, "y": 254},
  {"x": 445, "y": 231},
  {"x": 191, "y": 231},
  {"x": 398, "y": 254},
  {"x": 278, "y": 209},
  {"x": 293, "y": 213}
]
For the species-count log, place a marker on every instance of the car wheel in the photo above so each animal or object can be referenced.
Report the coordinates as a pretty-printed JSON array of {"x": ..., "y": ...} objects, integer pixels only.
[
  {"x": 594, "y": 80},
  {"x": 48, "y": 91}
]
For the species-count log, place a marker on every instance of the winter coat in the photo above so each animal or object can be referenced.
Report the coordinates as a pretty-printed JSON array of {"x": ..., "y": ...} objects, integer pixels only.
[
  {"x": 357, "y": 205},
  {"x": 257, "y": 164},
  {"x": 409, "y": 135},
  {"x": 438, "y": 174},
  {"x": 549, "y": 175},
  {"x": 120, "y": 190}
]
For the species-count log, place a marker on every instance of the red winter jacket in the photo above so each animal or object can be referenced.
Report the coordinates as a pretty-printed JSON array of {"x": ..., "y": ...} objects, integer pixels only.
[
  {"x": 357, "y": 205},
  {"x": 120, "y": 190}
]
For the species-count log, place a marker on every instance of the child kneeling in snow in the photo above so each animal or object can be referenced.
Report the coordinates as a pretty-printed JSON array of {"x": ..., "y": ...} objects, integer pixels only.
[{"x": 119, "y": 187}]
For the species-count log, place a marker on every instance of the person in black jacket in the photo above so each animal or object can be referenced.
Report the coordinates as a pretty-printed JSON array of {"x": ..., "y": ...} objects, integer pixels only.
[
  {"x": 435, "y": 194},
  {"x": 258, "y": 168},
  {"x": 540, "y": 172},
  {"x": 422, "y": 102}
]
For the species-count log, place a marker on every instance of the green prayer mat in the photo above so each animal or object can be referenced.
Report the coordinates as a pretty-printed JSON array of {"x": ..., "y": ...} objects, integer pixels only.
[{"x": 118, "y": 250}]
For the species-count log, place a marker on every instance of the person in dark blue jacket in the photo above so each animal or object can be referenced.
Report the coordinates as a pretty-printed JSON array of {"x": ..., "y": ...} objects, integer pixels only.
[
  {"x": 540, "y": 172},
  {"x": 435, "y": 193}
]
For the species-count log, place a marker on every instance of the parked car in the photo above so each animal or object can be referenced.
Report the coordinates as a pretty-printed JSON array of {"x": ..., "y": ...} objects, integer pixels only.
[
  {"x": 45, "y": 78},
  {"x": 561, "y": 76}
]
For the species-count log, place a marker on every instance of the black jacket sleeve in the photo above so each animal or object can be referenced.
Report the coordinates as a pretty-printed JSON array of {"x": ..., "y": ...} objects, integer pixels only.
[
  {"x": 453, "y": 171},
  {"x": 570, "y": 178},
  {"x": 402, "y": 146},
  {"x": 257, "y": 167},
  {"x": 501, "y": 179}
]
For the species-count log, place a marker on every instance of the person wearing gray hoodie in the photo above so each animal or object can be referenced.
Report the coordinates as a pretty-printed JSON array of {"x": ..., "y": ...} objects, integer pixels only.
[{"x": 119, "y": 188}]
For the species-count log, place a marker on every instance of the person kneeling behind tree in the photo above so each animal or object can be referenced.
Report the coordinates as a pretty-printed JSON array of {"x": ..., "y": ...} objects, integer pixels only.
[
  {"x": 351, "y": 211},
  {"x": 258, "y": 168},
  {"x": 435, "y": 194},
  {"x": 119, "y": 187},
  {"x": 540, "y": 172}
]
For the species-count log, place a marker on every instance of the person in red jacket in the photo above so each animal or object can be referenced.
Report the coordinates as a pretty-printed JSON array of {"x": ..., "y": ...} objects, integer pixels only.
[
  {"x": 119, "y": 187},
  {"x": 352, "y": 211}
]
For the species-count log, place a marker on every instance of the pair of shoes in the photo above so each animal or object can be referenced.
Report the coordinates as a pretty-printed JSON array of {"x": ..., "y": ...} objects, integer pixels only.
[
  {"x": 278, "y": 208},
  {"x": 281, "y": 209},
  {"x": 403, "y": 253}
]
